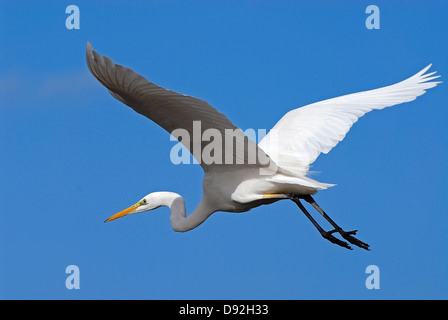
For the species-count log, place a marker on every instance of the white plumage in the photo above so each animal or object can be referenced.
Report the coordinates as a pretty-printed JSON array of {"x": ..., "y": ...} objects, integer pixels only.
[
  {"x": 290, "y": 147},
  {"x": 304, "y": 133}
]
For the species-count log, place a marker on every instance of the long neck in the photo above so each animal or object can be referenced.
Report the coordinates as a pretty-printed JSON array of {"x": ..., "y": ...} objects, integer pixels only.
[{"x": 179, "y": 219}]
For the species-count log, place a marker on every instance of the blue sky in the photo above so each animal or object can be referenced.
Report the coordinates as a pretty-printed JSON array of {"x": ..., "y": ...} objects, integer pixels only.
[{"x": 72, "y": 155}]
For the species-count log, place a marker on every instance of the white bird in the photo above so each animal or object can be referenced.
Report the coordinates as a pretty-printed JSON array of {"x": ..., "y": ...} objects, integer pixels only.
[{"x": 288, "y": 150}]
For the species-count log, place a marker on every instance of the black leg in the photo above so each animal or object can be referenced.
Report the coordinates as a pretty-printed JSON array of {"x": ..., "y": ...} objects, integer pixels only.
[
  {"x": 327, "y": 235},
  {"x": 347, "y": 235}
]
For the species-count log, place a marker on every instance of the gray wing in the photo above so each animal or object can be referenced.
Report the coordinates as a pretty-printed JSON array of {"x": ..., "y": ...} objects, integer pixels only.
[{"x": 176, "y": 113}]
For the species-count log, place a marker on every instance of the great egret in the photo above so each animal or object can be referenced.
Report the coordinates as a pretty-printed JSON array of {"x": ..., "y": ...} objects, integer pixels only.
[{"x": 301, "y": 135}]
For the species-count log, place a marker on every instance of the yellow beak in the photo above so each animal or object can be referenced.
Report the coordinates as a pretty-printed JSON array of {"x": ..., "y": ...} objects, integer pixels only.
[{"x": 125, "y": 212}]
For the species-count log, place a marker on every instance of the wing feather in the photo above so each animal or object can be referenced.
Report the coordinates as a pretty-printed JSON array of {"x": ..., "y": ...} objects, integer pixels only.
[
  {"x": 303, "y": 133},
  {"x": 172, "y": 110}
]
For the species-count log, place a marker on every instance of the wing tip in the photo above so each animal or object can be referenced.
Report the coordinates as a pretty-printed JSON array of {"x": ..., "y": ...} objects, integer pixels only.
[
  {"x": 423, "y": 71},
  {"x": 90, "y": 53},
  {"x": 89, "y": 48},
  {"x": 423, "y": 77}
]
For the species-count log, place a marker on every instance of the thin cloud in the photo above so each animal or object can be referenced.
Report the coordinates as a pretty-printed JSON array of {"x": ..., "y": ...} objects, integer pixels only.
[
  {"x": 9, "y": 84},
  {"x": 67, "y": 84},
  {"x": 23, "y": 88}
]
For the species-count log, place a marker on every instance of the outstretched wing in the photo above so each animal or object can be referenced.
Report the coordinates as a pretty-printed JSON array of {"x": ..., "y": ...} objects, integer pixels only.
[
  {"x": 178, "y": 114},
  {"x": 302, "y": 134}
]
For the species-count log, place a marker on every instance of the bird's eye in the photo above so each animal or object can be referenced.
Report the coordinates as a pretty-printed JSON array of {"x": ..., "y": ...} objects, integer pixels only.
[{"x": 143, "y": 202}]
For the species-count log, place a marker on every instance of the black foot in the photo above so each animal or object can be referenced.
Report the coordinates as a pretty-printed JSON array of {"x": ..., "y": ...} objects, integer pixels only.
[
  {"x": 348, "y": 236},
  {"x": 329, "y": 236}
]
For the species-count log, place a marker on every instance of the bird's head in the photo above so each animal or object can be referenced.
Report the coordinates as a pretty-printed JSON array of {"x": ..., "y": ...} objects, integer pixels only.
[{"x": 150, "y": 202}]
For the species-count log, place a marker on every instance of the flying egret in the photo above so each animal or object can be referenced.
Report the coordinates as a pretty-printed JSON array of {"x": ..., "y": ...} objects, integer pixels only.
[{"x": 300, "y": 136}]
